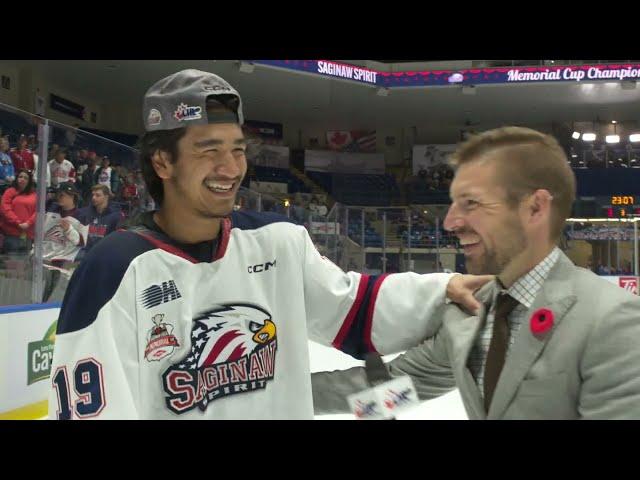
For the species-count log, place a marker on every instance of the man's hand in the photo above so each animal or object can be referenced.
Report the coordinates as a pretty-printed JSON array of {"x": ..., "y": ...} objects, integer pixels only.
[
  {"x": 460, "y": 290},
  {"x": 24, "y": 226},
  {"x": 64, "y": 223}
]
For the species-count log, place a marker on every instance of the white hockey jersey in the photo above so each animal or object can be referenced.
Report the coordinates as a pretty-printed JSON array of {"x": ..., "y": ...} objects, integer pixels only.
[
  {"x": 147, "y": 332},
  {"x": 61, "y": 172}
]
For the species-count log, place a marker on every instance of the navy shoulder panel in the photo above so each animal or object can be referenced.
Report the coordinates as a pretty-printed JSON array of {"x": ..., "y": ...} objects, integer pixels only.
[
  {"x": 97, "y": 278},
  {"x": 249, "y": 220}
]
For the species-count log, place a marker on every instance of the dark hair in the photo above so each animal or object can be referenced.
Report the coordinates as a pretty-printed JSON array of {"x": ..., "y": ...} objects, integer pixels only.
[
  {"x": 30, "y": 185},
  {"x": 167, "y": 141},
  {"x": 150, "y": 143}
]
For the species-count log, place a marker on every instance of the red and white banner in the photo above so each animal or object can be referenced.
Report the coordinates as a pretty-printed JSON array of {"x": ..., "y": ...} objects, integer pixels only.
[{"x": 352, "y": 140}]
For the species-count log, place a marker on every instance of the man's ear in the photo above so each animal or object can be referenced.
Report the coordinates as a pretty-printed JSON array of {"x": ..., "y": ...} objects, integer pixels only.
[
  {"x": 539, "y": 204},
  {"x": 161, "y": 162}
]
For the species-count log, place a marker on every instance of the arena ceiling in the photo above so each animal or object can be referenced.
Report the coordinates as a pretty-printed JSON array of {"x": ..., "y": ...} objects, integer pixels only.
[{"x": 277, "y": 95}]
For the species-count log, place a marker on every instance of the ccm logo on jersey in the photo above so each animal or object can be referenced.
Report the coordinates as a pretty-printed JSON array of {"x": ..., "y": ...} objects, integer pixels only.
[
  {"x": 233, "y": 350},
  {"x": 261, "y": 267},
  {"x": 158, "y": 294}
]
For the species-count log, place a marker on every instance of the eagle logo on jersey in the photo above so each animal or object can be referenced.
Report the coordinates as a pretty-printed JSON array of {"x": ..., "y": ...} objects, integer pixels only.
[
  {"x": 233, "y": 350},
  {"x": 160, "y": 341}
]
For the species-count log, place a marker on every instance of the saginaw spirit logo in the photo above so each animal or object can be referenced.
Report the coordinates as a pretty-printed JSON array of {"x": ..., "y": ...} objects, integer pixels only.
[
  {"x": 160, "y": 342},
  {"x": 185, "y": 112},
  {"x": 233, "y": 351}
]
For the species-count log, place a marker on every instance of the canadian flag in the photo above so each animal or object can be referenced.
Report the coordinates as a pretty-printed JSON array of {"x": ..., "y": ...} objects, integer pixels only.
[{"x": 338, "y": 139}]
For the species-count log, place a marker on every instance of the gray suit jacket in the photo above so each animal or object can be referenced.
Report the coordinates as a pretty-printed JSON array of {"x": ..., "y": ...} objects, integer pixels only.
[{"x": 587, "y": 366}]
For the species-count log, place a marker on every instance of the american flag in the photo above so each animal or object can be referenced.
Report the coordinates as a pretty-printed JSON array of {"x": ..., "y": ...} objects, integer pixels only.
[{"x": 199, "y": 336}]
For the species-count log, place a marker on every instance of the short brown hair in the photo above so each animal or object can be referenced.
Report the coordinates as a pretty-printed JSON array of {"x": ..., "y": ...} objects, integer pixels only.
[
  {"x": 526, "y": 160},
  {"x": 103, "y": 188}
]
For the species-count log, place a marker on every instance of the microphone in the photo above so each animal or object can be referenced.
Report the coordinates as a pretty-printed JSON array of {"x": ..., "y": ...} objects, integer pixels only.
[
  {"x": 386, "y": 396},
  {"x": 375, "y": 369}
]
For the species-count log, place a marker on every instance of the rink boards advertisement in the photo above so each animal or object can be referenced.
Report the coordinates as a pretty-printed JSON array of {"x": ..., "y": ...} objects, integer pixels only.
[
  {"x": 27, "y": 336},
  {"x": 629, "y": 283}
]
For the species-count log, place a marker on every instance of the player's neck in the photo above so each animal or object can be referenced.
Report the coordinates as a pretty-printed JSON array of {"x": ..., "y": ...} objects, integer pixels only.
[{"x": 185, "y": 227}]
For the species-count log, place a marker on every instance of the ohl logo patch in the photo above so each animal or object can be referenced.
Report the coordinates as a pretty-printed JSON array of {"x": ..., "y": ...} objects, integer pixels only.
[{"x": 233, "y": 350}]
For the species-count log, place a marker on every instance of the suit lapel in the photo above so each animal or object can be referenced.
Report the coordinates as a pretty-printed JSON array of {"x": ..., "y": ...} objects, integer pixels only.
[{"x": 556, "y": 295}]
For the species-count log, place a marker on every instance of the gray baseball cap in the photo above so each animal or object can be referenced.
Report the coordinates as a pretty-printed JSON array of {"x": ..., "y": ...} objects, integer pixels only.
[{"x": 180, "y": 100}]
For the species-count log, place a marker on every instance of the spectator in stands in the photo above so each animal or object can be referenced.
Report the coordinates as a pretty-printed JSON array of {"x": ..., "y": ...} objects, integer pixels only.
[
  {"x": 67, "y": 207},
  {"x": 130, "y": 190},
  {"x": 106, "y": 174},
  {"x": 146, "y": 202},
  {"x": 61, "y": 169},
  {"x": 313, "y": 206},
  {"x": 83, "y": 158},
  {"x": 321, "y": 208},
  {"x": 116, "y": 180},
  {"x": 81, "y": 168},
  {"x": 32, "y": 143},
  {"x": 36, "y": 175},
  {"x": 18, "y": 217},
  {"x": 101, "y": 216},
  {"x": 52, "y": 151},
  {"x": 89, "y": 176},
  {"x": 66, "y": 203},
  {"x": 70, "y": 134},
  {"x": 7, "y": 172},
  {"x": 22, "y": 157}
]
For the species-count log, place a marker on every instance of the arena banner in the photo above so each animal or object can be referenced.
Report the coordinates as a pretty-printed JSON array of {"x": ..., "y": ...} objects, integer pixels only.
[
  {"x": 344, "y": 162},
  {"x": 319, "y": 160},
  {"x": 272, "y": 156},
  {"x": 264, "y": 130},
  {"x": 67, "y": 106},
  {"x": 326, "y": 68},
  {"x": 28, "y": 336},
  {"x": 473, "y": 76},
  {"x": 268, "y": 187},
  {"x": 428, "y": 156}
]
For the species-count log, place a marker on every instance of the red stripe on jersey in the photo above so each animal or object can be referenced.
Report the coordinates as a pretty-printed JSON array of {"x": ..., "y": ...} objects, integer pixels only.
[
  {"x": 225, "y": 231},
  {"x": 348, "y": 321},
  {"x": 369, "y": 318}
]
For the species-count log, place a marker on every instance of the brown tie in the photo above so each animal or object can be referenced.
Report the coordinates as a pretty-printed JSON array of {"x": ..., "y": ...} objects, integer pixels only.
[{"x": 498, "y": 346}]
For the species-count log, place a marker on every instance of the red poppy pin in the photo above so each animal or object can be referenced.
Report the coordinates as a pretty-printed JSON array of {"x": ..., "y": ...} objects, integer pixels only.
[{"x": 541, "y": 321}]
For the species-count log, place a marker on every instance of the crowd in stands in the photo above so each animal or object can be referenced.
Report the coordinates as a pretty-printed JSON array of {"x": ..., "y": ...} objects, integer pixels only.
[
  {"x": 605, "y": 270},
  {"x": 82, "y": 184}
]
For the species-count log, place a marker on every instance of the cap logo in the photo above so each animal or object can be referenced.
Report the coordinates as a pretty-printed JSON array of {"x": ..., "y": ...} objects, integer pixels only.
[
  {"x": 185, "y": 112},
  {"x": 216, "y": 88},
  {"x": 154, "y": 117}
]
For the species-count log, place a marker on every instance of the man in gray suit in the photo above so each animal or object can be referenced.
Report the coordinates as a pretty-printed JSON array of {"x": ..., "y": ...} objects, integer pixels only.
[{"x": 551, "y": 340}]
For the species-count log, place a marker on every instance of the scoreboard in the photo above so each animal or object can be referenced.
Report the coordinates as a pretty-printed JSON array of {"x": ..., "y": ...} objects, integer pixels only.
[{"x": 621, "y": 206}]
